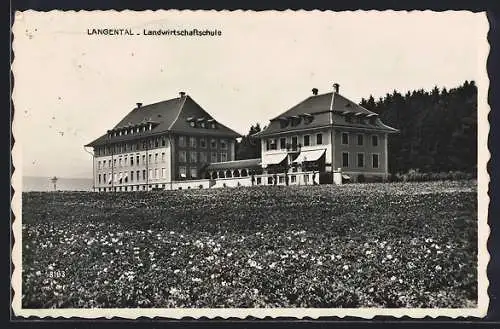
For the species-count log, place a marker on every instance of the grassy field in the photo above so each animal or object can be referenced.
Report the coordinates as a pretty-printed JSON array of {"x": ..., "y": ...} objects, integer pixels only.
[{"x": 360, "y": 245}]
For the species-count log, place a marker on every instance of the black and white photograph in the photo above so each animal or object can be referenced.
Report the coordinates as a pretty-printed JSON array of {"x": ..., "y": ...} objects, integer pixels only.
[{"x": 235, "y": 163}]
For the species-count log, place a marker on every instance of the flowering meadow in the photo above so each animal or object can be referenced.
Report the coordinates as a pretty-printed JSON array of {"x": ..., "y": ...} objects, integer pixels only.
[{"x": 358, "y": 245}]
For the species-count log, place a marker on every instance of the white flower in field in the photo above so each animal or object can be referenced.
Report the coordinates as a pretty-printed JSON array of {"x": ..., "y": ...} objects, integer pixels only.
[
  {"x": 173, "y": 291},
  {"x": 370, "y": 290},
  {"x": 400, "y": 280},
  {"x": 136, "y": 248},
  {"x": 103, "y": 253},
  {"x": 196, "y": 279},
  {"x": 105, "y": 270},
  {"x": 368, "y": 252},
  {"x": 255, "y": 291},
  {"x": 338, "y": 257},
  {"x": 393, "y": 278},
  {"x": 136, "y": 252},
  {"x": 115, "y": 240},
  {"x": 140, "y": 264},
  {"x": 212, "y": 276},
  {"x": 438, "y": 268},
  {"x": 389, "y": 256},
  {"x": 272, "y": 265},
  {"x": 345, "y": 267},
  {"x": 149, "y": 231},
  {"x": 229, "y": 254},
  {"x": 50, "y": 267},
  {"x": 72, "y": 253},
  {"x": 252, "y": 263},
  {"x": 320, "y": 263}
]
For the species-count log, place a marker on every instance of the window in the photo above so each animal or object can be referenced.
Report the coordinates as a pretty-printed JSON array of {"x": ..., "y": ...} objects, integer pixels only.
[
  {"x": 162, "y": 156},
  {"x": 150, "y": 173},
  {"x": 149, "y": 158},
  {"x": 194, "y": 173},
  {"x": 104, "y": 178},
  {"x": 143, "y": 159},
  {"x": 156, "y": 173},
  {"x": 306, "y": 140},
  {"x": 295, "y": 141},
  {"x": 99, "y": 178},
  {"x": 213, "y": 157},
  {"x": 375, "y": 161},
  {"x": 137, "y": 174},
  {"x": 131, "y": 176},
  {"x": 203, "y": 157},
  {"x": 193, "y": 157},
  {"x": 192, "y": 124},
  {"x": 131, "y": 161},
  {"x": 182, "y": 172},
  {"x": 223, "y": 156},
  {"x": 360, "y": 140},
  {"x": 192, "y": 142},
  {"x": 119, "y": 162},
  {"x": 144, "y": 174},
  {"x": 223, "y": 144},
  {"x": 104, "y": 163},
  {"x": 163, "y": 141},
  {"x": 137, "y": 160},
  {"x": 156, "y": 157},
  {"x": 345, "y": 139},
  {"x": 109, "y": 164},
  {"x": 203, "y": 142},
  {"x": 374, "y": 140},
  {"x": 98, "y": 164},
  {"x": 319, "y": 139},
  {"x": 360, "y": 160},
  {"x": 272, "y": 144},
  {"x": 125, "y": 161},
  {"x": 282, "y": 143},
  {"x": 182, "y": 156},
  {"x": 213, "y": 143},
  {"x": 345, "y": 159},
  {"x": 293, "y": 178},
  {"x": 114, "y": 162},
  {"x": 182, "y": 141},
  {"x": 163, "y": 172}
]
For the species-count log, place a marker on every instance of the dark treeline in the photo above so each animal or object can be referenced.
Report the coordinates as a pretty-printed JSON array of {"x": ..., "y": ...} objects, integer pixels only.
[
  {"x": 438, "y": 129},
  {"x": 249, "y": 148}
]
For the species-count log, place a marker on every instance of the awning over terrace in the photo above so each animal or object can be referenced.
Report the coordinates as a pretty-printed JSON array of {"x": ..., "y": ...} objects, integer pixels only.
[
  {"x": 270, "y": 159},
  {"x": 312, "y": 155}
]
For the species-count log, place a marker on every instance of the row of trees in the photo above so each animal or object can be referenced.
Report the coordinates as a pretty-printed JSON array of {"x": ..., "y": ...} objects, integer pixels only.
[{"x": 438, "y": 129}]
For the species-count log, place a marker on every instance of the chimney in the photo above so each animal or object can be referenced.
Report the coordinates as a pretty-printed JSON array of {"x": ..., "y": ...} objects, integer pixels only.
[
  {"x": 315, "y": 91},
  {"x": 139, "y": 105},
  {"x": 182, "y": 94},
  {"x": 336, "y": 88}
]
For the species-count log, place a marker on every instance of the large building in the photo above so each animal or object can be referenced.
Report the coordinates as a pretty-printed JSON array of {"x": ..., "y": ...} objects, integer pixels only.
[
  {"x": 158, "y": 144},
  {"x": 326, "y": 133}
]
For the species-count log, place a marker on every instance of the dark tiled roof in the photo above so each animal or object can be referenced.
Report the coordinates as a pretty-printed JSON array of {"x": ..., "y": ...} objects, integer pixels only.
[
  {"x": 319, "y": 108},
  {"x": 168, "y": 116},
  {"x": 238, "y": 164}
]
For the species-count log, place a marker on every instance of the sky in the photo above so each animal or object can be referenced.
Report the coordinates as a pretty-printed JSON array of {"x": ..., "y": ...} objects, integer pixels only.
[{"x": 70, "y": 87}]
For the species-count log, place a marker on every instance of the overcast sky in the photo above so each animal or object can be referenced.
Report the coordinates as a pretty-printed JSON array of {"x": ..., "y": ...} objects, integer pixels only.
[{"x": 71, "y": 87}]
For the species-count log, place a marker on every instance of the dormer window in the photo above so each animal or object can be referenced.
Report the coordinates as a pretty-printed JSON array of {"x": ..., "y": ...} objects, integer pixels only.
[
  {"x": 308, "y": 118},
  {"x": 125, "y": 132},
  {"x": 283, "y": 122},
  {"x": 192, "y": 124},
  {"x": 295, "y": 120},
  {"x": 212, "y": 125}
]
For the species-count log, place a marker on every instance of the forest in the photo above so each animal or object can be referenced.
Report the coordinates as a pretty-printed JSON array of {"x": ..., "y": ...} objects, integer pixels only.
[{"x": 437, "y": 129}]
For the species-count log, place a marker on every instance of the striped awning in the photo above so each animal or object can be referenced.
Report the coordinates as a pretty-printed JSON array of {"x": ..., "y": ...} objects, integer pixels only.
[
  {"x": 270, "y": 159},
  {"x": 312, "y": 155}
]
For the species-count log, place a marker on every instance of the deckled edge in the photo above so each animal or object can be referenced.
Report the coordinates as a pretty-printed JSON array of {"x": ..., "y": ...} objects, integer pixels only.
[{"x": 297, "y": 313}]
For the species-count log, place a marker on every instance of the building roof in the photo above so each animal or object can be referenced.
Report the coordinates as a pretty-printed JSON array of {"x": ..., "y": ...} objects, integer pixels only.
[
  {"x": 318, "y": 111},
  {"x": 237, "y": 164},
  {"x": 170, "y": 116}
]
